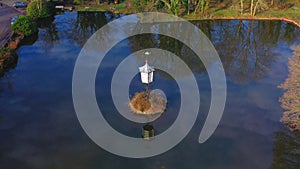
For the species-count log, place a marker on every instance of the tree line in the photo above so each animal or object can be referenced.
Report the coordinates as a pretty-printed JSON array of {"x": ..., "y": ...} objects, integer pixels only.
[{"x": 181, "y": 7}]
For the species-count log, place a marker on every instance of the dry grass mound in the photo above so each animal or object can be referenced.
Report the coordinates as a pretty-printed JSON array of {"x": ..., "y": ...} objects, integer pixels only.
[
  {"x": 139, "y": 103},
  {"x": 155, "y": 104}
]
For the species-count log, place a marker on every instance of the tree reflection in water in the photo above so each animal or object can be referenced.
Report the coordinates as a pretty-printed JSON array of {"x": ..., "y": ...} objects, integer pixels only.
[
  {"x": 87, "y": 23},
  {"x": 243, "y": 139},
  {"x": 48, "y": 33},
  {"x": 286, "y": 151},
  {"x": 248, "y": 54},
  {"x": 245, "y": 47},
  {"x": 287, "y": 144},
  {"x": 290, "y": 100}
]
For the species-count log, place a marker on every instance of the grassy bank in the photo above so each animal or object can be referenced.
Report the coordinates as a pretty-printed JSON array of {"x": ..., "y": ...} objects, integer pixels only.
[
  {"x": 288, "y": 15},
  {"x": 212, "y": 13},
  {"x": 118, "y": 8}
]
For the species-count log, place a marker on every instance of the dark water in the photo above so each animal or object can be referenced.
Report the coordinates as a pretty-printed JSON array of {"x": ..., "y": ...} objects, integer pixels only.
[{"x": 39, "y": 128}]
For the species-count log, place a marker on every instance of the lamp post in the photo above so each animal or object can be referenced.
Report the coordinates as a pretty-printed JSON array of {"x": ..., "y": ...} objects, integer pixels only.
[{"x": 146, "y": 72}]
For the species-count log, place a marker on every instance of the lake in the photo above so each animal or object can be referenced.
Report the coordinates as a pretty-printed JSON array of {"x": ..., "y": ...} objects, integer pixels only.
[{"x": 39, "y": 127}]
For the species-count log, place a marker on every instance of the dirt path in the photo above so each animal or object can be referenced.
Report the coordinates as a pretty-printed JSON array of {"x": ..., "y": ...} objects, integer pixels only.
[{"x": 6, "y": 13}]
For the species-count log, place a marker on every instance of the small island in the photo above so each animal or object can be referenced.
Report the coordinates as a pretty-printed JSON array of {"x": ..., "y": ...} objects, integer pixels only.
[{"x": 143, "y": 105}]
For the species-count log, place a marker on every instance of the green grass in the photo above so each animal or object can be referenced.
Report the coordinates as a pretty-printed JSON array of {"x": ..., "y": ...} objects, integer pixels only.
[
  {"x": 212, "y": 13},
  {"x": 285, "y": 13},
  {"x": 119, "y": 6},
  {"x": 224, "y": 12},
  {"x": 96, "y": 8},
  {"x": 103, "y": 7}
]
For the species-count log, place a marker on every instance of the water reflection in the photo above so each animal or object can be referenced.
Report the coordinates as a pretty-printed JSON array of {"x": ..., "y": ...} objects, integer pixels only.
[
  {"x": 49, "y": 34},
  {"x": 290, "y": 33},
  {"x": 88, "y": 23},
  {"x": 245, "y": 47},
  {"x": 148, "y": 132},
  {"x": 248, "y": 55},
  {"x": 286, "y": 150},
  {"x": 7, "y": 83},
  {"x": 290, "y": 100},
  {"x": 39, "y": 128}
]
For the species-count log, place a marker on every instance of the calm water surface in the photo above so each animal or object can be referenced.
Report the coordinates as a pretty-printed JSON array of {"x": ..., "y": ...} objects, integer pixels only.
[{"x": 39, "y": 128}]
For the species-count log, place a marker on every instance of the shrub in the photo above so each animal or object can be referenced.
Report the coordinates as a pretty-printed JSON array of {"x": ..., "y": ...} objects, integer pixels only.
[
  {"x": 137, "y": 5},
  {"x": 39, "y": 9},
  {"x": 24, "y": 25},
  {"x": 78, "y": 1},
  {"x": 5, "y": 52},
  {"x": 8, "y": 59}
]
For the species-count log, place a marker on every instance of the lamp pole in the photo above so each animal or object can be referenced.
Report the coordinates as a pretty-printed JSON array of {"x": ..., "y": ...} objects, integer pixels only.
[{"x": 147, "y": 53}]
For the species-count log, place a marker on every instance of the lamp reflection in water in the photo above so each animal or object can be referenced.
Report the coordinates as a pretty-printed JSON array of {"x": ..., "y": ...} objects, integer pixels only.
[{"x": 148, "y": 132}]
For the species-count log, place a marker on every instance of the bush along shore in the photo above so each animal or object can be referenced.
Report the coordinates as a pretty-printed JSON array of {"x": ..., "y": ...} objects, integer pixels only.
[
  {"x": 8, "y": 59},
  {"x": 23, "y": 27}
]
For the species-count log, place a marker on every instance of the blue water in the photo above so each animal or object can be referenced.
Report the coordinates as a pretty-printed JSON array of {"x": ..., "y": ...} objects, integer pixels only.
[{"x": 38, "y": 124}]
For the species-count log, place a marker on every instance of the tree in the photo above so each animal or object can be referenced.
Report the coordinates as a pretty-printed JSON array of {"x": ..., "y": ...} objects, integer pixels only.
[
  {"x": 257, "y": 4},
  {"x": 186, "y": 4},
  {"x": 201, "y": 3},
  {"x": 172, "y": 5},
  {"x": 24, "y": 25},
  {"x": 39, "y": 9},
  {"x": 242, "y": 6}
]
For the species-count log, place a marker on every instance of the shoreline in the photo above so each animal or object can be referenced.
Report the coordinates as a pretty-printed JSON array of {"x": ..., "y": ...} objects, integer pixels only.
[
  {"x": 6, "y": 34},
  {"x": 288, "y": 20},
  {"x": 189, "y": 18},
  {"x": 7, "y": 12},
  {"x": 8, "y": 42},
  {"x": 288, "y": 15}
]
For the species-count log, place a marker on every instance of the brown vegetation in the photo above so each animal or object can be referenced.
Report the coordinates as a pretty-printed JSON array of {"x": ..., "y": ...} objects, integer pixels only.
[
  {"x": 8, "y": 59},
  {"x": 13, "y": 43},
  {"x": 290, "y": 100},
  {"x": 140, "y": 103},
  {"x": 285, "y": 6}
]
